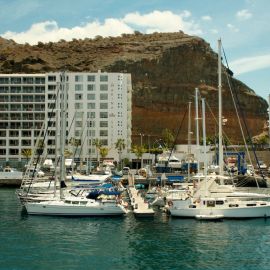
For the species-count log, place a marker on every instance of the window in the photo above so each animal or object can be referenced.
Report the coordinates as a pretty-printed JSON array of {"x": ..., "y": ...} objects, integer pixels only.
[
  {"x": 14, "y": 152},
  {"x": 2, "y": 152},
  {"x": 78, "y": 87},
  {"x": 104, "y": 87},
  {"x": 40, "y": 80},
  {"x": 91, "y": 115},
  {"x": 103, "y": 105},
  {"x": 91, "y": 96},
  {"x": 13, "y": 133},
  {"x": 40, "y": 89},
  {"x": 13, "y": 142},
  {"x": 219, "y": 202},
  {"x": 79, "y": 115},
  {"x": 103, "y": 78},
  {"x": 4, "y": 80},
  {"x": 51, "y": 87},
  {"x": 15, "y": 80},
  {"x": 91, "y": 133},
  {"x": 78, "y": 96},
  {"x": 28, "y": 80},
  {"x": 78, "y": 78},
  {"x": 26, "y": 133},
  {"x": 52, "y": 78},
  {"x": 103, "y": 96},
  {"x": 103, "y": 123},
  {"x": 91, "y": 124},
  {"x": 104, "y": 142},
  {"x": 91, "y": 87},
  {"x": 2, "y": 142},
  {"x": 211, "y": 203},
  {"x": 78, "y": 106},
  {"x": 103, "y": 115},
  {"x": 103, "y": 133},
  {"x": 4, "y": 89},
  {"x": 91, "y": 106},
  {"x": 78, "y": 124},
  {"x": 26, "y": 142},
  {"x": 91, "y": 78},
  {"x": 3, "y": 133},
  {"x": 28, "y": 89}
]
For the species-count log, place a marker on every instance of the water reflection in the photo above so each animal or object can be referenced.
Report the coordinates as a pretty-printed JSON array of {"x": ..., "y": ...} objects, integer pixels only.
[{"x": 32, "y": 242}]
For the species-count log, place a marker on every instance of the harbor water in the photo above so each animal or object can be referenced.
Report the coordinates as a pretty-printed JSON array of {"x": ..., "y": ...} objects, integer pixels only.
[{"x": 162, "y": 242}]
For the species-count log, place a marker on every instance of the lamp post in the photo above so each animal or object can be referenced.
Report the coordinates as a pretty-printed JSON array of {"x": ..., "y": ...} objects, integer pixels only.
[{"x": 141, "y": 148}]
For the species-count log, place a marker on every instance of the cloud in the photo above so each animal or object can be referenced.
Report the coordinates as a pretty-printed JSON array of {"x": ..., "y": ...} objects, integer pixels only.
[
  {"x": 206, "y": 18},
  {"x": 232, "y": 28},
  {"x": 243, "y": 15},
  {"x": 248, "y": 64},
  {"x": 163, "y": 21},
  {"x": 214, "y": 31},
  {"x": 156, "y": 21}
]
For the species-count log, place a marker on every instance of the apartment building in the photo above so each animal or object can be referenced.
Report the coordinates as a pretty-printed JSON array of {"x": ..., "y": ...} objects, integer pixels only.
[{"x": 98, "y": 108}]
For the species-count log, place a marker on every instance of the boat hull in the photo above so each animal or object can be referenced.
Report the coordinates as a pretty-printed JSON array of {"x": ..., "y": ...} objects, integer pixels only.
[
  {"x": 56, "y": 209},
  {"x": 236, "y": 213}
]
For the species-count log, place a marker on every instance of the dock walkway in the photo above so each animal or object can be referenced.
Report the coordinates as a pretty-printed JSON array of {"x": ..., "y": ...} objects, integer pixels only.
[{"x": 140, "y": 207}]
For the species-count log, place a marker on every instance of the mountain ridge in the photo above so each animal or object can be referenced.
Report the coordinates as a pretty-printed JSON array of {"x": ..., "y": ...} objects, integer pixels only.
[{"x": 165, "y": 70}]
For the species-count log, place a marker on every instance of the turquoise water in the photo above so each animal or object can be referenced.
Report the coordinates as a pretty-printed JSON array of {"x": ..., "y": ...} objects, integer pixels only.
[{"x": 31, "y": 242}]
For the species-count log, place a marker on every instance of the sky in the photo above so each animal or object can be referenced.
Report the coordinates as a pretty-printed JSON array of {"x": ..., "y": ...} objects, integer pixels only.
[{"x": 242, "y": 25}]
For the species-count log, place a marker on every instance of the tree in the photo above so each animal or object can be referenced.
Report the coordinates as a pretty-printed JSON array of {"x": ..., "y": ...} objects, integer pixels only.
[
  {"x": 120, "y": 146},
  {"x": 156, "y": 151},
  {"x": 68, "y": 153},
  {"x": 27, "y": 153},
  {"x": 103, "y": 152},
  {"x": 138, "y": 150},
  {"x": 97, "y": 143},
  {"x": 168, "y": 138}
]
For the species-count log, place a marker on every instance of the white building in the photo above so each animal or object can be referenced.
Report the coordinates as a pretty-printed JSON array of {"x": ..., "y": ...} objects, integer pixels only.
[{"x": 99, "y": 107}]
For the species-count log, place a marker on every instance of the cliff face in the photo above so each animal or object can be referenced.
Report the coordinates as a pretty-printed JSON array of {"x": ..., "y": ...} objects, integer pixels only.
[{"x": 165, "y": 69}]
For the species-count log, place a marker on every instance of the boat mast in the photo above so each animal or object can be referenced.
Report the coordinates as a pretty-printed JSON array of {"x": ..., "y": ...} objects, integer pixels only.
[
  {"x": 204, "y": 143},
  {"x": 189, "y": 138},
  {"x": 197, "y": 127},
  {"x": 63, "y": 131},
  {"x": 57, "y": 135},
  {"x": 269, "y": 119},
  {"x": 220, "y": 144}
]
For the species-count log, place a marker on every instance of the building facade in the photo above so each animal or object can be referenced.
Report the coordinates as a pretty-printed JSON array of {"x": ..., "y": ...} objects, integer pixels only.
[{"x": 98, "y": 108}]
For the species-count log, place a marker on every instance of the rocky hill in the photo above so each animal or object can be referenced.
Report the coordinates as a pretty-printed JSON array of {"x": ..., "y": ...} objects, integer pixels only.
[{"x": 165, "y": 70}]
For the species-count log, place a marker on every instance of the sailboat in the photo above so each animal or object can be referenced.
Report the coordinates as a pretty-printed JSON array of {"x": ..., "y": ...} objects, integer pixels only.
[
  {"x": 200, "y": 204},
  {"x": 73, "y": 204}
]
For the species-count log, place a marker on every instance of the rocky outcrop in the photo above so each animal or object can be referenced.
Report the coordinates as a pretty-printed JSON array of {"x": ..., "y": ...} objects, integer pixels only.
[{"x": 165, "y": 68}]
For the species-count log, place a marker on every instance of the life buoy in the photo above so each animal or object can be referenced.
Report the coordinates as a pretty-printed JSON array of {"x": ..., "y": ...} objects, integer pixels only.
[{"x": 170, "y": 203}]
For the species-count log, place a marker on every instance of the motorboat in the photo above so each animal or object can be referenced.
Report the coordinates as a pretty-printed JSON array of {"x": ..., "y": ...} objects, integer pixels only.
[{"x": 10, "y": 173}]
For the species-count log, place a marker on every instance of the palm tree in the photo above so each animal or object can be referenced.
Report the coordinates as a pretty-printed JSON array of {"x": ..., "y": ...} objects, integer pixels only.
[
  {"x": 120, "y": 146},
  {"x": 27, "y": 153},
  {"x": 168, "y": 138},
  {"x": 97, "y": 143},
  {"x": 138, "y": 150},
  {"x": 103, "y": 152}
]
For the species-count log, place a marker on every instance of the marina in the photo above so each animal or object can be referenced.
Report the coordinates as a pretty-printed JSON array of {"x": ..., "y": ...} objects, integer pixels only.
[{"x": 161, "y": 242}]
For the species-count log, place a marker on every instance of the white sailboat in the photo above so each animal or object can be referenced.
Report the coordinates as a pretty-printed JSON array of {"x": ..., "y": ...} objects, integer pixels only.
[
  {"x": 73, "y": 205},
  {"x": 201, "y": 204}
]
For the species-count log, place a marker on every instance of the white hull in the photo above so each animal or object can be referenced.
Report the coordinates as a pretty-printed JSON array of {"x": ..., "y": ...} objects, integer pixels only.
[
  {"x": 91, "y": 179},
  {"x": 60, "y": 208},
  {"x": 260, "y": 210}
]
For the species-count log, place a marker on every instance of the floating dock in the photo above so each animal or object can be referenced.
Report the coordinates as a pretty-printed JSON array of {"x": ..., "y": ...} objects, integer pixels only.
[{"x": 140, "y": 206}]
